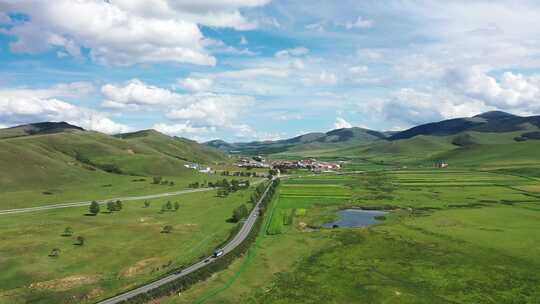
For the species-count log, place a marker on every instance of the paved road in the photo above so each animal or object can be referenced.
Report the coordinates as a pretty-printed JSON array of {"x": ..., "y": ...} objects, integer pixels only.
[
  {"x": 86, "y": 203},
  {"x": 237, "y": 240}
]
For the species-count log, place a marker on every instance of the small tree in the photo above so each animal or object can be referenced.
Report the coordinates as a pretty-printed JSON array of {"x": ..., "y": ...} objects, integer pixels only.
[
  {"x": 111, "y": 206},
  {"x": 169, "y": 206},
  {"x": 79, "y": 241},
  {"x": 146, "y": 204},
  {"x": 171, "y": 183},
  {"x": 167, "y": 229},
  {"x": 54, "y": 253},
  {"x": 118, "y": 205},
  {"x": 156, "y": 180},
  {"x": 68, "y": 231},
  {"x": 176, "y": 206},
  {"x": 94, "y": 208},
  {"x": 240, "y": 213}
]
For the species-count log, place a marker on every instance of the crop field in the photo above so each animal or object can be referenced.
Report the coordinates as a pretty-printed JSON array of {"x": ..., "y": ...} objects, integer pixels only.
[
  {"x": 121, "y": 249},
  {"x": 451, "y": 237}
]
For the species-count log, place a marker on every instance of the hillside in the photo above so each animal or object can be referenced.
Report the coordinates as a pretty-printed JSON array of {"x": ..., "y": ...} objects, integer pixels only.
[
  {"x": 37, "y": 129},
  {"x": 316, "y": 140},
  {"x": 75, "y": 155},
  {"x": 490, "y": 122}
]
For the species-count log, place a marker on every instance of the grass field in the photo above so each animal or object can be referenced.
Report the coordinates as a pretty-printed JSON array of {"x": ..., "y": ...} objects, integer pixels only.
[
  {"x": 121, "y": 249},
  {"x": 453, "y": 236}
]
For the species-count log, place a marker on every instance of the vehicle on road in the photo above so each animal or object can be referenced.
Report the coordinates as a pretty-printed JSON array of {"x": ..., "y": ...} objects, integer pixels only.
[{"x": 218, "y": 253}]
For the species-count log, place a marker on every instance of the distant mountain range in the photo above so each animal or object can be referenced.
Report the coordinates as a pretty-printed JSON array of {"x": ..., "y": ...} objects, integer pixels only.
[
  {"x": 489, "y": 122},
  {"x": 338, "y": 137}
]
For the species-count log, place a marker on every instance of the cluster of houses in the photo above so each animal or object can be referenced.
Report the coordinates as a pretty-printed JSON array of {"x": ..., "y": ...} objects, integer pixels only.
[
  {"x": 255, "y": 162},
  {"x": 310, "y": 164},
  {"x": 200, "y": 168}
]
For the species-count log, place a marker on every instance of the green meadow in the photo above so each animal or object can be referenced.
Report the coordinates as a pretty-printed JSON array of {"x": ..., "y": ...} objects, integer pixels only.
[
  {"x": 121, "y": 249},
  {"x": 451, "y": 236}
]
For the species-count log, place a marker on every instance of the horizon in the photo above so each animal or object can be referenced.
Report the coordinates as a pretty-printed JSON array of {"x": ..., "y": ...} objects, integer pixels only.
[
  {"x": 267, "y": 140},
  {"x": 265, "y": 70}
]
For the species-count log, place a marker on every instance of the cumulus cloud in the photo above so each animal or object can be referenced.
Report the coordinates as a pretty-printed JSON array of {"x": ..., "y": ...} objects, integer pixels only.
[
  {"x": 19, "y": 106},
  {"x": 409, "y": 106},
  {"x": 124, "y": 32},
  {"x": 513, "y": 91},
  {"x": 136, "y": 93},
  {"x": 182, "y": 129},
  {"x": 341, "y": 123},
  {"x": 212, "y": 109}
]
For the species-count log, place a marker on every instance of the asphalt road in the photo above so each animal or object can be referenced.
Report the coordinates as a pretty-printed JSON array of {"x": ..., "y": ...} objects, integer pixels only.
[
  {"x": 237, "y": 240},
  {"x": 86, "y": 203}
]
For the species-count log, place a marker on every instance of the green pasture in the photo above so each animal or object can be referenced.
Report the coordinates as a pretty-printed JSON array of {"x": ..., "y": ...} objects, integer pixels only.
[
  {"x": 121, "y": 250},
  {"x": 452, "y": 236}
]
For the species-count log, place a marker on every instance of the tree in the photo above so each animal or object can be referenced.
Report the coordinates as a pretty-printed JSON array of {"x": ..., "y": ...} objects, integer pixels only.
[
  {"x": 118, "y": 205},
  {"x": 54, "y": 253},
  {"x": 80, "y": 241},
  {"x": 171, "y": 183},
  {"x": 240, "y": 213},
  {"x": 94, "y": 208},
  {"x": 167, "y": 229},
  {"x": 235, "y": 185},
  {"x": 68, "y": 231},
  {"x": 176, "y": 206},
  {"x": 146, "y": 204},
  {"x": 111, "y": 206},
  {"x": 157, "y": 180},
  {"x": 169, "y": 205}
]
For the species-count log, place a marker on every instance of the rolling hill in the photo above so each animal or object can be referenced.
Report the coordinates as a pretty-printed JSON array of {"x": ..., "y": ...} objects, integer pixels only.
[
  {"x": 48, "y": 154},
  {"x": 335, "y": 138}
]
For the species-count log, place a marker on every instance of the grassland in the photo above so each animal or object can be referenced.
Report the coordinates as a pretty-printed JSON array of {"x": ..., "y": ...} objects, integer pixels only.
[
  {"x": 122, "y": 249},
  {"x": 453, "y": 236}
]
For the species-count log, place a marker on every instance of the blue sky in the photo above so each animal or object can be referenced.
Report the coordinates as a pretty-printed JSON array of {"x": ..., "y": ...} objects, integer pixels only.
[{"x": 244, "y": 70}]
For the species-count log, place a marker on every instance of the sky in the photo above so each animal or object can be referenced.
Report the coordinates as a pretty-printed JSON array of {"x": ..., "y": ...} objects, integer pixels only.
[{"x": 244, "y": 70}]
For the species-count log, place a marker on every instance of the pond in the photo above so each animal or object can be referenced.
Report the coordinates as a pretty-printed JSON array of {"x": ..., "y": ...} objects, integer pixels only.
[{"x": 355, "y": 218}]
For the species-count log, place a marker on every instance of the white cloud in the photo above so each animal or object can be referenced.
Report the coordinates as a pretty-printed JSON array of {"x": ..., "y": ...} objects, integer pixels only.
[
  {"x": 299, "y": 51},
  {"x": 137, "y": 93},
  {"x": 125, "y": 32},
  {"x": 243, "y": 40},
  {"x": 212, "y": 109},
  {"x": 201, "y": 108},
  {"x": 360, "y": 23},
  {"x": 182, "y": 129},
  {"x": 513, "y": 91},
  {"x": 196, "y": 84},
  {"x": 341, "y": 123},
  {"x": 19, "y": 106},
  {"x": 318, "y": 27}
]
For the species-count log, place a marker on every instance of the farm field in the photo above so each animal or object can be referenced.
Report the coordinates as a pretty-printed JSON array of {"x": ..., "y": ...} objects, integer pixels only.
[
  {"x": 121, "y": 249},
  {"x": 452, "y": 236}
]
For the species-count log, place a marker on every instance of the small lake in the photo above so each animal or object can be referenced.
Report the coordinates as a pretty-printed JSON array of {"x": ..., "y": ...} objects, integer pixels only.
[{"x": 356, "y": 218}]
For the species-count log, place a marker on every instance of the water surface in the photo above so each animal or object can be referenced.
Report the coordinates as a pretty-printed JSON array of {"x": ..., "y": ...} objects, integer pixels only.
[{"x": 355, "y": 218}]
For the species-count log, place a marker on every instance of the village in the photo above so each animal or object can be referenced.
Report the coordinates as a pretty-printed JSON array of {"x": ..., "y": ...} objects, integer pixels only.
[{"x": 309, "y": 164}]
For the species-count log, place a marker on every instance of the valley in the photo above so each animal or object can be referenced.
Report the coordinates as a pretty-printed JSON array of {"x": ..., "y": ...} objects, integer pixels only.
[{"x": 446, "y": 234}]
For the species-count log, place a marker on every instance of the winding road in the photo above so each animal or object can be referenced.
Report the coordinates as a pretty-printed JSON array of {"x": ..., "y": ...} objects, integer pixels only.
[{"x": 237, "y": 240}]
